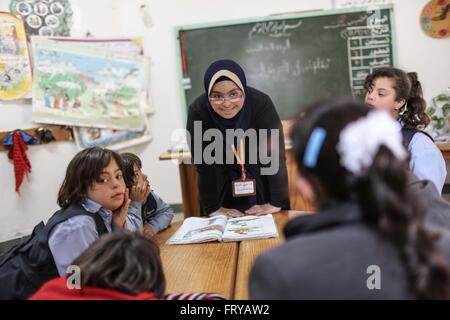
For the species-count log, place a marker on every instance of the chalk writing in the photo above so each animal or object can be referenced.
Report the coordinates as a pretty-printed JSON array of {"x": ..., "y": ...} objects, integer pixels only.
[
  {"x": 271, "y": 46},
  {"x": 275, "y": 29}
]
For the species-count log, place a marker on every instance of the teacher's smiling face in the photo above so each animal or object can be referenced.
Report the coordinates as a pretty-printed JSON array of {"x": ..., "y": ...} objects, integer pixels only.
[{"x": 226, "y": 99}]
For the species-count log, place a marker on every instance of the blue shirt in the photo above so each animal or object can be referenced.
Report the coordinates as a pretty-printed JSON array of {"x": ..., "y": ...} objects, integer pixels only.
[
  {"x": 70, "y": 238},
  {"x": 427, "y": 161},
  {"x": 159, "y": 220}
]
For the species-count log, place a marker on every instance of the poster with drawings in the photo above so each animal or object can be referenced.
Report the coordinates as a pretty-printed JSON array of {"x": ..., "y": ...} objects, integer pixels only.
[
  {"x": 119, "y": 47},
  {"x": 86, "y": 87},
  {"x": 15, "y": 67}
]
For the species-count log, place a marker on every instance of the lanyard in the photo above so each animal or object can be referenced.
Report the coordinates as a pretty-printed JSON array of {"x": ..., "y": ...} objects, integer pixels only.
[{"x": 240, "y": 157}]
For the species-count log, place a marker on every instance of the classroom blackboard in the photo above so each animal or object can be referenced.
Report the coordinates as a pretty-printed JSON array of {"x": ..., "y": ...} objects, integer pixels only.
[{"x": 296, "y": 58}]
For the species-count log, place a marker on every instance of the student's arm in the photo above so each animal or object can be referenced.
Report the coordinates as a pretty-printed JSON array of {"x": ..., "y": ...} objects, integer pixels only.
[
  {"x": 277, "y": 183},
  {"x": 427, "y": 161},
  {"x": 207, "y": 185},
  {"x": 162, "y": 216},
  {"x": 134, "y": 218},
  {"x": 69, "y": 239}
]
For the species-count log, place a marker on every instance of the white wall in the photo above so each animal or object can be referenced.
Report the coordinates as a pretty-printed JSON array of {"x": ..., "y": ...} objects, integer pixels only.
[{"x": 114, "y": 18}]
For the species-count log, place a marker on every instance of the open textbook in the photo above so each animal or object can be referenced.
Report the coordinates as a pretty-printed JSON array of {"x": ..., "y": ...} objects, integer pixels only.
[{"x": 221, "y": 228}]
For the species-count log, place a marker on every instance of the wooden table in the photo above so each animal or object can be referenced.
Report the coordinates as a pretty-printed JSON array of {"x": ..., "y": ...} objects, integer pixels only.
[
  {"x": 445, "y": 149},
  {"x": 204, "y": 267},
  {"x": 214, "y": 267}
]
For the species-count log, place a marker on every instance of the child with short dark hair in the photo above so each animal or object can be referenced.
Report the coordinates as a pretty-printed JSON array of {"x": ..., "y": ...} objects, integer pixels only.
[
  {"x": 119, "y": 265},
  {"x": 156, "y": 214},
  {"x": 94, "y": 200}
]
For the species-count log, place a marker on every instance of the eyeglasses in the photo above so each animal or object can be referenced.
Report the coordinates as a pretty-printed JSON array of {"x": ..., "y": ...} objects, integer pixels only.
[{"x": 233, "y": 96}]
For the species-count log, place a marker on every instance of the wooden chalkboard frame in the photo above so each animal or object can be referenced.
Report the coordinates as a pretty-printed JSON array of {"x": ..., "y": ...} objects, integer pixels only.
[{"x": 294, "y": 15}]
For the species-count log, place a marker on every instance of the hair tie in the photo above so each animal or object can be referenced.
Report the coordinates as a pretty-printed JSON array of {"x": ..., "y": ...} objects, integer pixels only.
[
  {"x": 360, "y": 141},
  {"x": 313, "y": 147}
]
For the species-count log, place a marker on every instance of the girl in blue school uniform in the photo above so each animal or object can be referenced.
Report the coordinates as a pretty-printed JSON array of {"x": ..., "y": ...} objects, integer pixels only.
[
  {"x": 94, "y": 200},
  {"x": 400, "y": 94},
  {"x": 145, "y": 203}
]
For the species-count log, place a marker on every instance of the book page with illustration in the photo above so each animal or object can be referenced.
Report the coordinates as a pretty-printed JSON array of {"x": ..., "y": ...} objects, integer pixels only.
[
  {"x": 250, "y": 227},
  {"x": 197, "y": 230},
  {"x": 219, "y": 228}
]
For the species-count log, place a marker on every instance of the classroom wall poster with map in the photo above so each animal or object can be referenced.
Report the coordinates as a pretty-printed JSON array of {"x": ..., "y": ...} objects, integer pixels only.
[
  {"x": 15, "y": 69},
  {"x": 87, "y": 87},
  {"x": 119, "y": 47}
]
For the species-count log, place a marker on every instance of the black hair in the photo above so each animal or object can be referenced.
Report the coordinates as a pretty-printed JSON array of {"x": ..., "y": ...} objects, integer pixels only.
[
  {"x": 123, "y": 261},
  {"x": 388, "y": 205},
  {"x": 81, "y": 173},
  {"x": 408, "y": 88},
  {"x": 129, "y": 161}
]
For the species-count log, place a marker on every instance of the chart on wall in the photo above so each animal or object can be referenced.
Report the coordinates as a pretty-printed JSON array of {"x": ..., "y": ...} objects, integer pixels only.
[{"x": 44, "y": 17}]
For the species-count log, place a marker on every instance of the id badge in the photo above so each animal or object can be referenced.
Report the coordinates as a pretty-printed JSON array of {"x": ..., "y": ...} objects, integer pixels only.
[{"x": 243, "y": 188}]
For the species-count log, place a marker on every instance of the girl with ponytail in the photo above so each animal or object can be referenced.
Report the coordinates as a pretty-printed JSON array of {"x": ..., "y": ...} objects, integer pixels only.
[
  {"x": 400, "y": 94},
  {"x": 368, "y": 239}
]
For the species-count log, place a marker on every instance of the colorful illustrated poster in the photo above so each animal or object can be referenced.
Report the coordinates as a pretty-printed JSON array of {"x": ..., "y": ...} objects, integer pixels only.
[
  {"x": 86, "y": 87},
  {"x": 44, "y": 17},
  {"x": 15, "y": 69},
  {"x": 110, "y": 138},
  {"x": 123, "y": 46}
]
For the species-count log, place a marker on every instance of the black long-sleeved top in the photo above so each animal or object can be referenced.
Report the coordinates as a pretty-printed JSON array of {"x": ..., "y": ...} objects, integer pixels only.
[{"x": 214, "y": 180}]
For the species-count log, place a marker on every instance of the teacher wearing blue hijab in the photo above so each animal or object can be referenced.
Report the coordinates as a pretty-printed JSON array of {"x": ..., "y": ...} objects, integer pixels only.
[{"x": 242, "y": 186}]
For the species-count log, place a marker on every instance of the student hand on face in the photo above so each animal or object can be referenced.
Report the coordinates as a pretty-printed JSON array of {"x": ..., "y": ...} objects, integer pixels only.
[
  {"x": 231, "y": 213},
  {"x": 120, "y": 214},
  {"x": 259, "y": 210},
  {"x": 140, "y": 189}
]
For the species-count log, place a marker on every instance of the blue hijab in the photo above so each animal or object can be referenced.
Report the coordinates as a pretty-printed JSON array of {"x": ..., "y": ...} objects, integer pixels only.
[{"x": 243, "y": 118}]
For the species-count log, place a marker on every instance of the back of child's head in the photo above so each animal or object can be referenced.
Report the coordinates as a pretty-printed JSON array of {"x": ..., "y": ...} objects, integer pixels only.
[
  {"x": 327, "y": 176},
  {"x": 123, "y": 261},
  {"x": 348, "y": 152},
  {"x": 82, "y": 171},
  {"x": 407, "y": 87},
  {"x": 129, "y": 161}
]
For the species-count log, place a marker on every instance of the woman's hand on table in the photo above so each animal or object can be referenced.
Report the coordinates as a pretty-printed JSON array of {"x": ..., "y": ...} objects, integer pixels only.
[
  {"x": 262, "y": 209},
  {"x": 231, "y": 213}
]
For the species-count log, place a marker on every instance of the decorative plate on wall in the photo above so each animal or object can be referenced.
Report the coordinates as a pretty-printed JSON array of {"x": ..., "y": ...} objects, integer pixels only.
[
  {"x": 44, "y": 17},
  {"x": 435, "y": 18}
]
